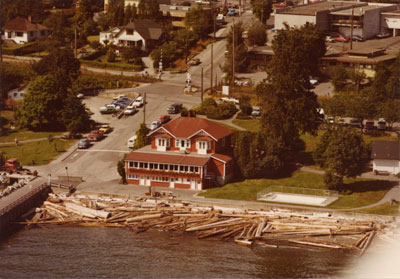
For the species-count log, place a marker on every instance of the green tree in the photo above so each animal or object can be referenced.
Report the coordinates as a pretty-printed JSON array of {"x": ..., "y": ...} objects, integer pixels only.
[
  {"x": 289, "y": 104},
  {"x": 339, "y": 76},
  {"x": 121, "y": 170},
  {"x": 257, "y": 34},
  {"x": 235, "y": 37},
  {"x": 198, "y": 20},
  {"x": 74, "y": 117},
  {"x": 244, "y": 104},
  {"x": 390, "y": 110},
  {"x": 142, "y": 136},
  {"x": 335, "y": 106},
  {"x": 342, "y": 152},
  {"x": 130, "y": 53},
  {"x": 42, "y": 103},
  {"x": 111, "y": 56},
  {"x": 262, "y": 9}
]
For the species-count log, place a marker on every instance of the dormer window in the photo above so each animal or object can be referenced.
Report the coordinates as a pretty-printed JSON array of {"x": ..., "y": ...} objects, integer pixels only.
[
  {"x": 129, "y": 31},
  {"x": 182, "y": 143}
]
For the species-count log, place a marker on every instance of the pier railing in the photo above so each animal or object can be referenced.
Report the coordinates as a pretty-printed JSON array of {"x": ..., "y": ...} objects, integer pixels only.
[
  {"x": 297, "y": 190},
  {"x": 23, "y": 198}
]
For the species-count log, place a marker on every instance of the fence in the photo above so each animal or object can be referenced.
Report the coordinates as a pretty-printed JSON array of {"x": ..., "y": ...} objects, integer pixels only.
[{"x": 297, "y": 190}]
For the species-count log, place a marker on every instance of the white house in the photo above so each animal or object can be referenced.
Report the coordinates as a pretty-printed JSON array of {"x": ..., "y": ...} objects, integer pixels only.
[
  {"x": 18, "y": 93},
  {"x": 386, "y": 156},
  {"x": 22, "y": 30},
  {"x": 144, "y": 34}
]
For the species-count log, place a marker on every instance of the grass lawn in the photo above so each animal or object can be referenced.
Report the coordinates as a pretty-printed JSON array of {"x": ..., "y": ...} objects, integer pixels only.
[
  {"x": 26, "y": 135},
  {"x": 41, "y": 152},
  {"x": 383, "y": 209},
  {"x": 365, "y": 191},
  {"x": 252, "y": 125}
]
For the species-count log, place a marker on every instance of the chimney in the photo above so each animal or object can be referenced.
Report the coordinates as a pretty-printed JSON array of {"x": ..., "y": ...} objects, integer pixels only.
[{"x": 30, "y": 18}]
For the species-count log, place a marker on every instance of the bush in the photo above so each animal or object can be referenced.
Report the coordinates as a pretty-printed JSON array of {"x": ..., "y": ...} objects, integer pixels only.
[
  {"x": 24, "y": 49},
  {"x": 333, "y": 182},
  {"x": 205, "y": 106},
  {"x": 94, "y": 55},
  {"x": 112, "y": 65},
  {"x": 222, "y": 111}
]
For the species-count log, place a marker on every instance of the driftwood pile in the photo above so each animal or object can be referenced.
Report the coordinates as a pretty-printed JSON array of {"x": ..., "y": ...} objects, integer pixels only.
[{"x": 270, "y": 228}]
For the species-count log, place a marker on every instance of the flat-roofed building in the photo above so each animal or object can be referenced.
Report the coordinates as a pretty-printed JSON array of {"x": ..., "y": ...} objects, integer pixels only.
[
  {"x": 390, "y": 22},
  {"x": 336, "y": 16}
]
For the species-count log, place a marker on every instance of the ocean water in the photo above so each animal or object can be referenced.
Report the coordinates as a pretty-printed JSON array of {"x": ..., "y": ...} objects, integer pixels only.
[{"x": 98, "y": 252}]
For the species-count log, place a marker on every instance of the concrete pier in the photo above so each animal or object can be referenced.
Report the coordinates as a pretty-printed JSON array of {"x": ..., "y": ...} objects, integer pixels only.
[{"x": 19, "y": 202}]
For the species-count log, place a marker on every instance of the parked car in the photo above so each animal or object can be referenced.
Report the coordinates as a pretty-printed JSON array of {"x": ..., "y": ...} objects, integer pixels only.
[
  {"x": 256, "y": 112},
  {"x": 95, "y": 135},
  {"x": 11, "y": 164},
  {"x": 83, "y": 143},
  {"x": 370, "y": 125},
  {"x": 139, "y": 101},
  {"x": 314, "y": 81},
  {"x": 358, "y": 38},
  {"x": 154, "y": 125},
  {"x": 109, "y": 109},
  {"x": 230, "y": 100},
  {"x": 383, "y": 35},
  {"x": 341, "y": 39},
  {"x": 80, "y": 96},
  {"x": 220, "y": 19},
  {"x": 194, "y": 62},
  {"x": 231, "y": 12},
  {"x": 105, "y": 129},
  {"x": 164, "y": 118},
  {"x": 130, "y": 111},
  {"x": 382, "y": 124},
  {"x": 132, "y": 141},
  {"x": 331, "y": 120},
  {"x": 174, "y": 108},
  {"x": 355, "y": 123}
]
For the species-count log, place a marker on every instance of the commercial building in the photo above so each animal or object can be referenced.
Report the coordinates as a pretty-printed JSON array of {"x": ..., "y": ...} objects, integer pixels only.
[
  {"x": 366, "y": 19},
  {"x": 188, "y": 152}
]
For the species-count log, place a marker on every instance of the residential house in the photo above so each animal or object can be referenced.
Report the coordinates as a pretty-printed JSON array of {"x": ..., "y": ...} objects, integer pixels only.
[
  {"x": 385, "y": 157},
  {"x": 144, "y": 34},
  {"x": 22, "y": 30},
  {"x": 18, "y": 93},
  {"x": 339, "y": 16},
  {"x": 188, "y": 152}
]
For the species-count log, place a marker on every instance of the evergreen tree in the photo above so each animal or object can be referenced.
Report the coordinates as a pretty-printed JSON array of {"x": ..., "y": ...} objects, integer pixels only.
[
  {"x": 262, "y": 9},
  {"x": 240, "y": 50},
  {"x": 142, "y": 136}
]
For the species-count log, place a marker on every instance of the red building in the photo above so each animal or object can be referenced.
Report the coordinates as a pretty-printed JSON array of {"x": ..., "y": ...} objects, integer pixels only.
[{"x": 187, "y": 153}]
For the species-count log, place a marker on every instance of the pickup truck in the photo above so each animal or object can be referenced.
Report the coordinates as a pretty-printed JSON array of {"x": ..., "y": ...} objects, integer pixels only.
[
  {"x": 109, "y": 109},
  {"x": 95, "y": 135}
]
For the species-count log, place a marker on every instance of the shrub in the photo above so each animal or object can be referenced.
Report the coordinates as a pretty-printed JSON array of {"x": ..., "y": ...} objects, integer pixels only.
[
  {"x": 243, "y": 116},
  {"x": 222, "y": 111}
]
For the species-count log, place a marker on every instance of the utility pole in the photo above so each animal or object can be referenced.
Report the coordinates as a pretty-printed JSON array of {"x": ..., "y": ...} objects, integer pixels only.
[
  {"x": 214, "y": 15},
  {"x": 351, "y": 28},
  {"x": 233, "y": 54},
  {"x": 212, "y": 66},
  {"x": 144, "y": 108},
  {"x": 201, "y": 96},
  {"x": 76, "y": 51}
]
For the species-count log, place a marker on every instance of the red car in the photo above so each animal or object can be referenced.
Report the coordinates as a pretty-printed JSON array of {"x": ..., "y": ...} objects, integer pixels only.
[
  {"x": 164, "y": 119},
  {"x": 95, "y": 135},
  {"x": 341, "y": 39}
]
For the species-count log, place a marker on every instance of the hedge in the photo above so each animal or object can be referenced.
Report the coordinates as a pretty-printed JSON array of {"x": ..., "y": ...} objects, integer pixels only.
[
  {"x": 23, "y": 49},
  {"x": 112, "y": 65}
]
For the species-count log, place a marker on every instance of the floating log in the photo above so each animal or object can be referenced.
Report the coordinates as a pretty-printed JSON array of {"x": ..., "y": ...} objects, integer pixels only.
[
  {"x": 88, "y": 212},
  {"x": 143, "y": 217}
]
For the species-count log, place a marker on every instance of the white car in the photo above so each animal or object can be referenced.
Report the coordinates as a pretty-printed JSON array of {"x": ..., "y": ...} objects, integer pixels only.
[
  {"x": 154, "y": 125},
  {"x": 80, "y": 96},
  {"x": 131, "y": 106},
  {"x": 130, "y": 111},
  {"x": 256, "y": 112},
  {"x": 138, "y": 102}
]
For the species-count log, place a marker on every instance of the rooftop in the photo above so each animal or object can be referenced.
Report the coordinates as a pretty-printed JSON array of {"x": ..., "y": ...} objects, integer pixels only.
[
  {"x": 23, "y": 24},
  {"x": 312, "y": 9},
  {"x": 186, "y": 127},
  {"x": 359, "y": 11},
  {"x": 389, "y": 150}
]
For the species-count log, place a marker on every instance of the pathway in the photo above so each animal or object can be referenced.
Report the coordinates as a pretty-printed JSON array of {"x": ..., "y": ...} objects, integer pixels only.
[{"x": 25, "y": 141}]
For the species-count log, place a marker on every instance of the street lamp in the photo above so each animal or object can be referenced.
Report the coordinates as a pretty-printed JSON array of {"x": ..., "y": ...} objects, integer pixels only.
[{"x": 66, "y": 169}]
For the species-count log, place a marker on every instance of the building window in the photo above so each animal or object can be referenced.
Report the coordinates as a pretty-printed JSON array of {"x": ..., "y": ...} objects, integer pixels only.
[
  {"x": 191, "y": 169},
  {"x": 145, "y": 165},
  {"x": 182, "y": 143},
  {"x": 131, "y": 164},
  {"x": 162, "y": 142},
  {"x": 151, "y": 166},
  {"x": 176, "y": 167},
  {"x": 186, "y": 168},
  {"x": 129, "y": 31},
  {"x": 43, "y": 33},
  {"x": 156, "y": 166},
  {"x": 181, "y": 168},
  {"x": 171, "y": 167},
  {"x": 133, "y": 176},
  {"x": 135, "y": 164},
  {"x": 204, "y": 145},
  {"x": 161, "y": 167},
  {"x": 19, "y": 34},
  {"x": 196, "y": 169}
]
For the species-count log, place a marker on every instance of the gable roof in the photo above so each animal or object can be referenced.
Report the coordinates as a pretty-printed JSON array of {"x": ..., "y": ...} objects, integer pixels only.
[
  {"x": 186, "y": 127},
  {"x": 22, "y": 24},
  {"x": 389, "y": 150},
  {"x": 148, "y": 29}
]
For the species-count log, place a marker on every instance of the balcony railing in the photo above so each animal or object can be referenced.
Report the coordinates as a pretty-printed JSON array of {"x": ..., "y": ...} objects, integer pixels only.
[{"x": 163, "y": 172}]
